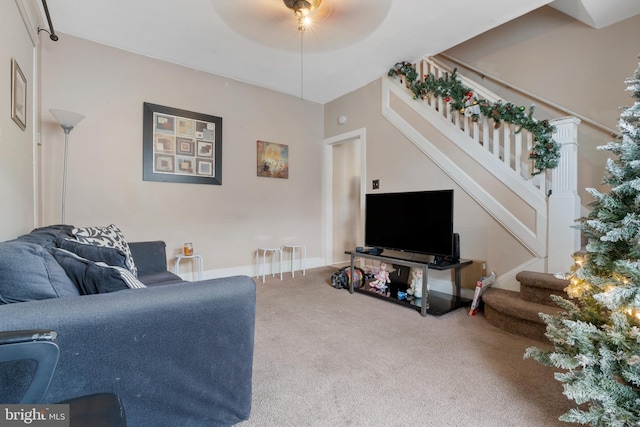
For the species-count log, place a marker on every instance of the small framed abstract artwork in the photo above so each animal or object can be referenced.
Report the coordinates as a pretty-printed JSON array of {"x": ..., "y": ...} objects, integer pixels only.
[
  {"x": 181, "y": 146},
  {"x": 273, "y": 160},
  {"x": 205, "y": 149},
  {"x": 185, "y": 147},
  {"x": 205, "y": 167},
  {"x": 163, "y": 163},
  {"x": 18, "y": 95}
]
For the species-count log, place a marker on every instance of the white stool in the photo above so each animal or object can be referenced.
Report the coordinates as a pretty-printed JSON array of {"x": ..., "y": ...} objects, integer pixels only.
[
  {"x": 293, "y": 257},
  {"x": 264, "y": 261},
  {"x": 198, "y": 259}
]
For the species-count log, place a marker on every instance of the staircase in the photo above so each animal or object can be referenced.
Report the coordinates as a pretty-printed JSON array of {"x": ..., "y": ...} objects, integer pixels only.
[
  {"x": 517, "y": 312},
  {"x": 490, "y": 163}
]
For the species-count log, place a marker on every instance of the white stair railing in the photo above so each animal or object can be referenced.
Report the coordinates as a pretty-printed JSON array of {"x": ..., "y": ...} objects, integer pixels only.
[
  {"x": 504, "y": 142},
  {"x": 500, "y": 150}
]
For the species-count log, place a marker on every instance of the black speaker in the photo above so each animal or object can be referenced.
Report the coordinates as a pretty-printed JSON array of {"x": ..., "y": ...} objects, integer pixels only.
[{"x": 456, "y": 247}]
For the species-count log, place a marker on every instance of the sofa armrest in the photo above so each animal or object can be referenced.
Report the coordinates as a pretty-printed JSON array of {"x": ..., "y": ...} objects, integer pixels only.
[
  {"x": 175, "y": 354},
  {"x": 149, "y": 257}
]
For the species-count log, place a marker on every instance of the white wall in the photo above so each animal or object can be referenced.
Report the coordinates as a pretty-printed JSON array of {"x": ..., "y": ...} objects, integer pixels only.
[
  {"x": 16, "y": 145},
  {"x": 562, "y": 60},
  {"x": 226, "y": 223}
]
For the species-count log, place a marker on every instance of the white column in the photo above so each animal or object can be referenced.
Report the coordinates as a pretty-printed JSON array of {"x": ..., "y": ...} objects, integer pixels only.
[{"x": 564, "y": 201}]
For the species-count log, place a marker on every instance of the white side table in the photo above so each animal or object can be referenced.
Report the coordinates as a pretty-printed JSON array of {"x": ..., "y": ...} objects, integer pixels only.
[
  {"x": 198, "y": 259},
  {"x": 293, "y": 257},
  {"x": 273, "y": 251}
]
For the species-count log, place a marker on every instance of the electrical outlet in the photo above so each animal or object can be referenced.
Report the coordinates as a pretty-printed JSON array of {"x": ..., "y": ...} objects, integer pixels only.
[{"x": 376, "y": 184}]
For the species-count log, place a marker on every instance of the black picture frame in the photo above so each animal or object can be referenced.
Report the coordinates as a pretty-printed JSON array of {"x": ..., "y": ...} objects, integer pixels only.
[{"x": 165, "y": 161}]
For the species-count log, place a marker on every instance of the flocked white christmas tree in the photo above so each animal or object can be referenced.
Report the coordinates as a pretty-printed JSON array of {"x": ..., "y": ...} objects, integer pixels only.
[{"x": 596, "y": 341}]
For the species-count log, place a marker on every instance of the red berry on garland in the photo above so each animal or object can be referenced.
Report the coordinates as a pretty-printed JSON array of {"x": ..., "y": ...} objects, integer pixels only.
[{"x": 447, "y": 99}]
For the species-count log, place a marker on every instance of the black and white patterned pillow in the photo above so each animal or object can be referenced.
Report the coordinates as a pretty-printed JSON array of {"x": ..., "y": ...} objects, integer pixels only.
[{"x": 110, "y": 237}]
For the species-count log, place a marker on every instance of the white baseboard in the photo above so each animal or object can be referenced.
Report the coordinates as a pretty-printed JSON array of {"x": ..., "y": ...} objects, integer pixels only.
[{"x": 250, "y": 270}]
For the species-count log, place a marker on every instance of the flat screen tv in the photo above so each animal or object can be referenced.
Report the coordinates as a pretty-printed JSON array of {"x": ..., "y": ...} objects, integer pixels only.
[{"x": 419, "y": 222}]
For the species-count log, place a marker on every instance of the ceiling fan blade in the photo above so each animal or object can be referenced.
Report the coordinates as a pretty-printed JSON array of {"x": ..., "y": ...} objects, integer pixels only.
[{"x": 335, "y": 23}]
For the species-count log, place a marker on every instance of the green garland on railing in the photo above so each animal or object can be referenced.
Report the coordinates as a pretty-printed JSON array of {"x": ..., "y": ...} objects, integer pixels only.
[{"x": 545, "y": 152}]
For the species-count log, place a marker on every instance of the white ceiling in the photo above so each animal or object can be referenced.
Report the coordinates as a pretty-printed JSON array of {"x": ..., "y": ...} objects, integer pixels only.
[{"x": 351, "y": 43}]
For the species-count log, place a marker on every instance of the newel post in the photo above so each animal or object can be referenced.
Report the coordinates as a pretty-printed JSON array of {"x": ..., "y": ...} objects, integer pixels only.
[{"x": 564, "y": 202}]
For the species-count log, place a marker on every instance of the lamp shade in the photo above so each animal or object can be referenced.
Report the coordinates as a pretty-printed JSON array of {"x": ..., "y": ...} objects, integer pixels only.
[{"x": 66, "y": 118}]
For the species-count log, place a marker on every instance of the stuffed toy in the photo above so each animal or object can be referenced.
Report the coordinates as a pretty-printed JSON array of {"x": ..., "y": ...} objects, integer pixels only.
[
  {"x": 381, "y": 278},
  {"x": 415, "y": 287}
]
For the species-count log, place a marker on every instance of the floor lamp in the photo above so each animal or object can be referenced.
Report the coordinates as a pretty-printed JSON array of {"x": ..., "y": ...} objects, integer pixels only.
[{"x": 67, "y": 120}]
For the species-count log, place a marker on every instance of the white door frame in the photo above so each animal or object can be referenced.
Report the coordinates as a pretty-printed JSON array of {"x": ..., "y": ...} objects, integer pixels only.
[{"x": 360, "y": 136}]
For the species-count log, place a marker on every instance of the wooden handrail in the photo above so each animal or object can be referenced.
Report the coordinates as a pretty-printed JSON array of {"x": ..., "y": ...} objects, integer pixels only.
[{"x": 528, "y": 94}]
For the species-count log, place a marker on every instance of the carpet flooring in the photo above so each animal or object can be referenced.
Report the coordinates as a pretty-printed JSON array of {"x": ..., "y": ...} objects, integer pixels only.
[{"x": 324, "y": 357}]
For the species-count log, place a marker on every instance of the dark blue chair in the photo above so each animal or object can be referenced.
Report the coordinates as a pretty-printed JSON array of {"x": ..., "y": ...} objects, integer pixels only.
[{"x": 95, "y": 410}]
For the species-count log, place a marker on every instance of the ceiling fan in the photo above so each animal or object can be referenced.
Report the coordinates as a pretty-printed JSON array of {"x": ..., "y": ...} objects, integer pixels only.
[
  {"x": 302, "y": 9},
  {"x": 334, "y": 23}
]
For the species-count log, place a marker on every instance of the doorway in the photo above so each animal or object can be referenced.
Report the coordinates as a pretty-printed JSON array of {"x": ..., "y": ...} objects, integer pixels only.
[{"x": 345, "y": 186}]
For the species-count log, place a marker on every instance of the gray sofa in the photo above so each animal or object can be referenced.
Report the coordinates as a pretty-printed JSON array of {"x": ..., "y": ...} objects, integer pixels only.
[{"x": 177, "y": 353}]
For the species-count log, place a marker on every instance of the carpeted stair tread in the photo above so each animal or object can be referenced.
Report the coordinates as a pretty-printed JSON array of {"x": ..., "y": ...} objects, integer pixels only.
[
  {"x": 519, "y": 312},
  {"x": 508, "y": 311},
  {"x": 510, "y": 303},
  {"x": 515, "y": 325},
  {"x": 538, "y": 287},
  {"x": 541, "y": 280}
]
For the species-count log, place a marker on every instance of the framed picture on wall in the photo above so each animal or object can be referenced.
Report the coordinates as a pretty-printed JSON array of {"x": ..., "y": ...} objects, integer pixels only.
[
  {"x": 181, "y": 146},
  {"x": 273, "y": 160},
  {"x": 18, "y": 95}
]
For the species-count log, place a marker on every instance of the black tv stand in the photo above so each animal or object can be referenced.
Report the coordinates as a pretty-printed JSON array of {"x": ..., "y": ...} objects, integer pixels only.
[{"x": 432, "y": 302}]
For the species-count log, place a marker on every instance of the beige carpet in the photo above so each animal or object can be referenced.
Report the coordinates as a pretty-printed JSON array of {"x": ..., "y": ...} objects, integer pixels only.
[{"x": 324, "y": 357}]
